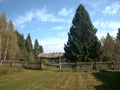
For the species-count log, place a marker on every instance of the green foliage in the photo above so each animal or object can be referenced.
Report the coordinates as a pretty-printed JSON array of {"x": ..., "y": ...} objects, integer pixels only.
[
  {"x": 108, "y": 49},
  {"x": 8, "y": 39},
  {"x": 12, "y": 42},
  {"x": 28, "y": 44},
  {"x": 108, "y": 56},
  {"x": 22, "y": 54},
  {"x": 9, "y": 70},
  {"x": 3, "y": 25},
  {"x": 118, "y": 34},
  {"x": 37, "y": 48},
  {"x": 29, "y": 48},
  {"x": 82, "y": 42},
  {"x": 13, "y": 45}
]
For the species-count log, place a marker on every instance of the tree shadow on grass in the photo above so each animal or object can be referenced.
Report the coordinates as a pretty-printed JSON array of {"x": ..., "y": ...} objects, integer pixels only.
[{"x": 110, "y": 80}]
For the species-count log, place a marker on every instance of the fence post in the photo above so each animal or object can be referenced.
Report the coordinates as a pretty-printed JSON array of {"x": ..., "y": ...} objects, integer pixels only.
[
  {"x": 76, "y": 66},
  {"x": 112, "y": 65},
  {"x": 40, "y": 63},
  {"x": 12, "y": 63},
  {"x": 60, "y": 63},
  {"x": 0, "y": 63},
  {"x": 94, "y": 66}
]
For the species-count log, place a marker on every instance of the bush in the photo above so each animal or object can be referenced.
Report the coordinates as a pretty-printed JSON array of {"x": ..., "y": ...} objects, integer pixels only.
[{"x": 108, "y": 57}]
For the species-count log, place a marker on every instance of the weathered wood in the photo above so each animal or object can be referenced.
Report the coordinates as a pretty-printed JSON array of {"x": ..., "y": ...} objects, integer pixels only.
[
  {"x": 91, "y": 66},
  {"x": 51, "y": 55},
  {"x": 20, "y": 64}
]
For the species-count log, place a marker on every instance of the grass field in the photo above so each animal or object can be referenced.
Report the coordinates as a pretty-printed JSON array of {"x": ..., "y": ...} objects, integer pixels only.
[
  {"x": 54, "y": 80},
  {"x": 9, "y": 70}
]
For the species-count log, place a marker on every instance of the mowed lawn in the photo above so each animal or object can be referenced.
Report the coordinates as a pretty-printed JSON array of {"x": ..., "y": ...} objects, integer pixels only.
[{"x": 53, "y": 80}]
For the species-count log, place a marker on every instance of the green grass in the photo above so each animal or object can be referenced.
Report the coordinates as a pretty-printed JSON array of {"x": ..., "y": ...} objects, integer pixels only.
[
  {"x": 46, "y": 80},
  {"x": 9, "y": 70},
  {"x": 50, "y": 79}
]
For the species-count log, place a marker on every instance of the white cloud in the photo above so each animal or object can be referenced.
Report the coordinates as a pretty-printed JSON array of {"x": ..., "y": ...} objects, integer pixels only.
[
  {"x": 39, "y": 14},
  {"x": 65, "y": 12},
  {"x": 23, "y": 19},
  {"x": 62, "y": 27},
  {"x": 52, "y": 41},
  {"x": 53, "y": 45},
  {"x": 44, "y": 16},
  {"x": 107, "y": 24},
  {"x": 114, "y": 8},
  {"x": 105, "y": 27},
  {"x": 62, "y": 34}
]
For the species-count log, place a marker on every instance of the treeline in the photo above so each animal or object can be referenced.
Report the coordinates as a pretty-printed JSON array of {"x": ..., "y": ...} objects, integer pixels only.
[
  {"x": 13, "y": 45},
  {"x": 110, "y": 47},
  {"x": 83, "y": 44}
]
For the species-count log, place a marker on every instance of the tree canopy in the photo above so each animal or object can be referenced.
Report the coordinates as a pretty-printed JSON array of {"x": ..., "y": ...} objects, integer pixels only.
[
  {"x": 13, "y": 45},
  {"x": 82, "y": 42}
]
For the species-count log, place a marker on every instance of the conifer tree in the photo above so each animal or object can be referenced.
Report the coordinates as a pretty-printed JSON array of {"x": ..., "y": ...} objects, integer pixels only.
[
  {"x": 82, "y": 42},
  {"x": 37, "y": 48},
  {"x": 29, "y": 47},
  {"x": 22, "y": 53},
  {"x": 118, "y": 34},
  {"x": 29, "y": 44},
  {"x": 117, "y": 46}
]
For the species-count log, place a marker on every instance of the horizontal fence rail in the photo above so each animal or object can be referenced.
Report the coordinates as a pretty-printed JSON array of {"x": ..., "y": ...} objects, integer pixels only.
[
  {"x": 21, "y": 64},
  {"x": 90, "y": 66}
]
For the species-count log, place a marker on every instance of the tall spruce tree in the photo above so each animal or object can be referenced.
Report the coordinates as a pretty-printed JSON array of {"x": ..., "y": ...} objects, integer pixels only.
[
  {"x": 37, "y": 48},
  {"x": 29, "y": 48},
  {"x": 118, "y": 34},
  {"x": 117, "y": 46},
  {"x": 29, "y": 44},
  {"x": 22, "y": 53},
  {"x": 82, "y": 42}
]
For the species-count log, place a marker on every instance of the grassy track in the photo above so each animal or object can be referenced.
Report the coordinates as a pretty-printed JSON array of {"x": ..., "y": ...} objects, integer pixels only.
[
  {"x": 47, "y": 80},
  {"x": 51, "y": 80}
]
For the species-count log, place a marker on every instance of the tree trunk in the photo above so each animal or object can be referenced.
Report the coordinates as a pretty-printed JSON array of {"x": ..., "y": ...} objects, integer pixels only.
[
  {"x": 0, "y": 45},
  {"x": 6, "y": 50}
]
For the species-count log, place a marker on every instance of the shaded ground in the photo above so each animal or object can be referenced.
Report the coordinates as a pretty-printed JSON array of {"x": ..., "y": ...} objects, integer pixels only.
[{"x": 110, "y": 80}]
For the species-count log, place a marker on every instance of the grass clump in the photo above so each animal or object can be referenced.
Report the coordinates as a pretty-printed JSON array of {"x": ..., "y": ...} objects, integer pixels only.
[{"x": 9, "y": 70}]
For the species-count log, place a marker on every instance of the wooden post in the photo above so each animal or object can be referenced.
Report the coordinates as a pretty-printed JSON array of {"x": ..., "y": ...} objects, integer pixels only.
[
  {"x": 60, "y": 63},
  {"x": 0, "y": 63},
  {"x": 76, "y": 66},
  {"x": 40, "y": 63}
]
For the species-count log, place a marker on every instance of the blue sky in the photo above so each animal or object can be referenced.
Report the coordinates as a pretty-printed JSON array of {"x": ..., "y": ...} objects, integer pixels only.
[{"x": 49, "y": 20}]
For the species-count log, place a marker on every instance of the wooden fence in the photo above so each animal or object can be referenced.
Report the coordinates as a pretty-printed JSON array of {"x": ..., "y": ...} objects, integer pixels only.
[
  {"x": 21, "y": 64},
  {"x": 65, "y": 65},
  {"x": 90, "y": 66}
]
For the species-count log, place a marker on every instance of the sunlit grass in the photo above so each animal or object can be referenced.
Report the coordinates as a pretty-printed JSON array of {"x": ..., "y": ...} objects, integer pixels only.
[{"x": 51, "y": 79}]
